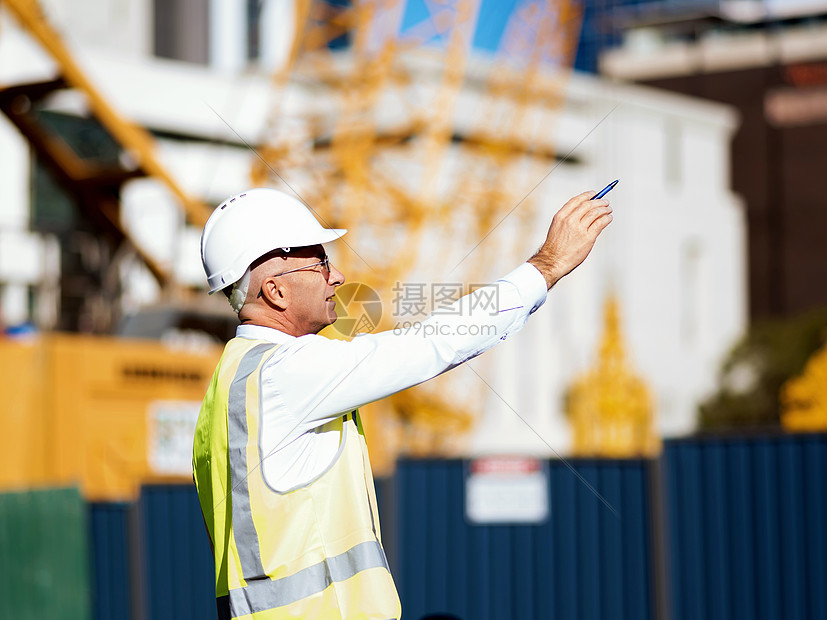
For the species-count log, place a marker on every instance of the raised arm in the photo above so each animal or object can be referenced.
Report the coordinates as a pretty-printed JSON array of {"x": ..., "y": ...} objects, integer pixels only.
[{"x": 349, "y": 374}]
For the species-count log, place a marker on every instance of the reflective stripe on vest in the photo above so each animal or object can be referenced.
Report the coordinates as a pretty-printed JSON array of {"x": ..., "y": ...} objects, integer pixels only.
[
  {"x": 264, "y": 593},
  {"x": 246, "y": 537}
]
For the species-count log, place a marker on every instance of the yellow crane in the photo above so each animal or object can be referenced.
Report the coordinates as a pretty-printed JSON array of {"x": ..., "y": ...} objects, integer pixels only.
[{"x": 421, "y": 150}]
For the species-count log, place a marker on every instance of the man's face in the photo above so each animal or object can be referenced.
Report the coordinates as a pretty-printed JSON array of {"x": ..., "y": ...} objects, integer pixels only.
[{"x": 311, "y": 305}]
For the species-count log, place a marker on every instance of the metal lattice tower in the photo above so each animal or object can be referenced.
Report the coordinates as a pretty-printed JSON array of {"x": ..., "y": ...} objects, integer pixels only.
[{"x": 418, "y": 148}]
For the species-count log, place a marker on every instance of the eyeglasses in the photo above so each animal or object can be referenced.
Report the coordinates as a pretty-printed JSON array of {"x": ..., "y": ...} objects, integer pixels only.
[
  {"x": 324, "y": 263},
  {"x": 325, "y": 270}
]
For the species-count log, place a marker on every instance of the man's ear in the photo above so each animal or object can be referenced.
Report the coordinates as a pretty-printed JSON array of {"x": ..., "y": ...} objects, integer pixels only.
[{"x": 275, "y": 293}]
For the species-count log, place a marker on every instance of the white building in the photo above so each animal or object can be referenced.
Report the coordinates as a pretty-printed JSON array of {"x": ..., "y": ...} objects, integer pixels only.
[{"x": 674, "y": 254}]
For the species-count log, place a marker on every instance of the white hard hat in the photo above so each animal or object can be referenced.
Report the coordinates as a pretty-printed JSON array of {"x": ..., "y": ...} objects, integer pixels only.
[{"x": 249, "y": 225}]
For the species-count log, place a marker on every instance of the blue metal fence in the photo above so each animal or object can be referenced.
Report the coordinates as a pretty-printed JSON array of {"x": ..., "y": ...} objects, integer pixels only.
[
  {"x": 746, "y": 520},
  {"x": 584, "y": 562},
  {"x": 111, "y": 578},
  {"x": 744, "y": 537},
  {"x": 177, "y": 578}
]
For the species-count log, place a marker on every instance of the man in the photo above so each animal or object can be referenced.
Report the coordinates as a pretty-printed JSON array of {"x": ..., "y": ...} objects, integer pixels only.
[{"x": 279, "y": 457}]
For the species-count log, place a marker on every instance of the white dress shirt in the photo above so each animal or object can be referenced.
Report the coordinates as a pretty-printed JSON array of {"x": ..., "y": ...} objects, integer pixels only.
[{"x": 312, "y": 380}]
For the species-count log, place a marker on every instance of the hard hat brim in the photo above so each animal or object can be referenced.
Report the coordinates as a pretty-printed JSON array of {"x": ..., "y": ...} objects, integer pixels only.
[{"x": 221, "y": 281}]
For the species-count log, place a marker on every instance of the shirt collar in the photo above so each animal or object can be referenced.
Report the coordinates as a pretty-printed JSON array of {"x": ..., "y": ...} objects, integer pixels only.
[{"x": 259, "y": 332}]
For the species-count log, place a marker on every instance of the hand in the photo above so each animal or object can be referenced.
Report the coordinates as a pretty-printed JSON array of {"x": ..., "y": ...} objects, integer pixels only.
[{"x": 571, "y": 236}]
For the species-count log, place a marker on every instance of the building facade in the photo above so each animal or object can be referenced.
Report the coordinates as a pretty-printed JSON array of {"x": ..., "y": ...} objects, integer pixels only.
[{"x": 770, "y": 63}]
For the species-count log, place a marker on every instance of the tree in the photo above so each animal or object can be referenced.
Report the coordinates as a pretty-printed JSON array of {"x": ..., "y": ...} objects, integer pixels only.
[{"x": 750, "y": 379}]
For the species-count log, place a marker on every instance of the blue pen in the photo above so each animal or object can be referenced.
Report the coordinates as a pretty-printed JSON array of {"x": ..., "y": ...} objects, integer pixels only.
[{"x": 605, "y": 190}]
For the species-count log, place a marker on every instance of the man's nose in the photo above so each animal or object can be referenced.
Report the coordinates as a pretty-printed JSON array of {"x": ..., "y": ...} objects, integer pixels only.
[{"x": 337, "y": 278}]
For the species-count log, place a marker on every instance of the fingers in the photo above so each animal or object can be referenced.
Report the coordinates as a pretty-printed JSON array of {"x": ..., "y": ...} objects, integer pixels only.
[
  {"x": 586, "y": 207},
  {"x": 601, "y": 209},
  {"x": 576, "y": 202},
  {"x": 592, "y": 215},
  {"x": 597, "y": 226},
  {"x": 582, "y": 205}
]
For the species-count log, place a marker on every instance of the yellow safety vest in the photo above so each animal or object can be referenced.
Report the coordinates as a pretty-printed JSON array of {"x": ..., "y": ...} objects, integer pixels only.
[{"x": 312, "y": 552}]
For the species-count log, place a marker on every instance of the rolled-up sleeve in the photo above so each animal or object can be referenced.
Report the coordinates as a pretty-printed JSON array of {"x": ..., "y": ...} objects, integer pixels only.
[{"x": 316, "y": 379}]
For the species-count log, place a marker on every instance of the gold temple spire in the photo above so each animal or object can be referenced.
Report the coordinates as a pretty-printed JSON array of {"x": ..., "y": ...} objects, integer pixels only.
[
  {"x": 804, "y": 398},
  {"x": 609, "y": 407}
]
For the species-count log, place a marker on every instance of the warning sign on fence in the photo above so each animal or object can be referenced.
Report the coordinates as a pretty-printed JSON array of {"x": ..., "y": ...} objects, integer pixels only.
[{"x": 501, "y": 490}]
